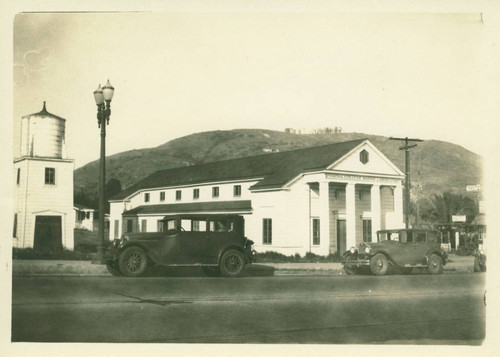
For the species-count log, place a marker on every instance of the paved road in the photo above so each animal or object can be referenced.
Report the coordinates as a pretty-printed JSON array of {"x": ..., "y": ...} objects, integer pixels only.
[{"x": 444, "y": 309}]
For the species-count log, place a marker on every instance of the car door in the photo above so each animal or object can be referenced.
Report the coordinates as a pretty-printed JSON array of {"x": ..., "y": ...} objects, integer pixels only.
[
  {"x": 193, "y": 241},
  {"x": 421, "y": 247},
  {"x": 221, "y": 233},
  {"x": 169, "y": 243},
  {"x": 403, "y": 252}
]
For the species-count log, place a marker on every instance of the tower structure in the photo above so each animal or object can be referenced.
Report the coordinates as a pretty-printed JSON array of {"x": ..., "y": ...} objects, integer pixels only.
[{"x": 43, "y": 185}]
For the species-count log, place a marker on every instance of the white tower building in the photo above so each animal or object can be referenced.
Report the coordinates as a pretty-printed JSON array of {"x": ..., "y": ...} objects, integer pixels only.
[{"x": 43, "y": 187}]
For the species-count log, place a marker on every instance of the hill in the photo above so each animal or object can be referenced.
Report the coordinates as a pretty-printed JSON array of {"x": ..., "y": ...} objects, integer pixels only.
[{"x": 438, "y": 166}]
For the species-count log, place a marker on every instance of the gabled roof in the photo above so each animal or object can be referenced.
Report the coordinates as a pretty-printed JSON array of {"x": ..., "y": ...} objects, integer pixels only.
[{"x": 272, "y": 170}]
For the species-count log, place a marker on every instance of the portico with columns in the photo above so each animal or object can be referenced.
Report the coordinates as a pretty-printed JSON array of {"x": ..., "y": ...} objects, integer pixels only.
[{"x": 353, "y": 199}]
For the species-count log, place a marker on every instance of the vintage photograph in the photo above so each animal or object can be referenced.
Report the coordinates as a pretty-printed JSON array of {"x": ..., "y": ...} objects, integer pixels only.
[{"x": 250, "y": 177}]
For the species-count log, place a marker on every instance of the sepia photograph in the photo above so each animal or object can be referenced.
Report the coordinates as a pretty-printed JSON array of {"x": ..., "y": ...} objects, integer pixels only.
[{"x": 249, "y": 177}]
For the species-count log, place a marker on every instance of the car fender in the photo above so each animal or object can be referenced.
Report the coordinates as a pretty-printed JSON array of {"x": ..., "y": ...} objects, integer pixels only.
[
  {"x": 150, "y": 253},
  {"x": 384, "y": 252},
  {"x": 235, "y": 247},
  {"x": 438, "y": 253}
]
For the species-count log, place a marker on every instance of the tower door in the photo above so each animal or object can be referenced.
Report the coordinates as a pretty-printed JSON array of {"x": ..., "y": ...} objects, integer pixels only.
[
  {"x": 48, "y": 233},
  {"x": 341, "y": 236}
]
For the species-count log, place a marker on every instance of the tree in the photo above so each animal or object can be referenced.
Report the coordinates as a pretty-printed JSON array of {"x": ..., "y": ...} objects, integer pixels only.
[{"x": 444, "y": 206}]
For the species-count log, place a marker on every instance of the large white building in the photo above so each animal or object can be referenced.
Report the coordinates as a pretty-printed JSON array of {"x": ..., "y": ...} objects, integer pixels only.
[
  {"x": 43, "y": 188},
  {"x": 321, "y": 200}
]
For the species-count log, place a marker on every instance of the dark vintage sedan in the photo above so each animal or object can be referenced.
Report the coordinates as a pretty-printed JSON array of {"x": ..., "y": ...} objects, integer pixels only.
[
  {"x": 214, "y": 242},
  {"x": 400, "y": 249}
]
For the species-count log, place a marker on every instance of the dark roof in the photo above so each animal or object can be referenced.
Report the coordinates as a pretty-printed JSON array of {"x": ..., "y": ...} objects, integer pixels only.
[
  {"x": 79, "y": 206},
  {"x": 274, "y": 169},
  {"x": 219, "y": 206},
  {"x": 45, "y": 113}
]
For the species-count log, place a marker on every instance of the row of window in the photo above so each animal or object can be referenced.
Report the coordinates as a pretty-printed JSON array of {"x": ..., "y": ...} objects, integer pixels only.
[
  {"x": 196, "y": 193},
  {"x": 50, "y": 176},
  {"x": 267, "y": 229}
]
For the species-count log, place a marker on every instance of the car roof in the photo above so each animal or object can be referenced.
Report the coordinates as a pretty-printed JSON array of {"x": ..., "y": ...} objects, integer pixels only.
[
  {"x": 408, "y": 230},
  {"x": 200, "y": 216}
]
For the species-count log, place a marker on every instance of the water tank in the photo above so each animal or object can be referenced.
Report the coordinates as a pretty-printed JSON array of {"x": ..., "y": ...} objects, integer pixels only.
[{"x": 42, "y": 135}]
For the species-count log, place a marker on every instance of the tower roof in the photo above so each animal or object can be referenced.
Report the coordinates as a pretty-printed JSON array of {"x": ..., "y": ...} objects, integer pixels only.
[{"x": 44, "y": 113}]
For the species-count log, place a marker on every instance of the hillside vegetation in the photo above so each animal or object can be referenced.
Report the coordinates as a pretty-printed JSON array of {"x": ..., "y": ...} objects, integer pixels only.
[{"x": 438, "y": 166}]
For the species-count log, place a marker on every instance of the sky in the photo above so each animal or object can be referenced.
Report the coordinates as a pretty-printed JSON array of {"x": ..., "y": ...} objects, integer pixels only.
[{"x": 421, "y": 75}]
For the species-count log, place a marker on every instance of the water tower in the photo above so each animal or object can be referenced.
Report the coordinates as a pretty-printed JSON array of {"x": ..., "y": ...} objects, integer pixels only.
[{"x": 43, "y": 192}]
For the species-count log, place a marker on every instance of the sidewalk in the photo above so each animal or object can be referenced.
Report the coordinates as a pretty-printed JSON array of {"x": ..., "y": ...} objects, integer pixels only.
[{"x": 456, "y": 264}]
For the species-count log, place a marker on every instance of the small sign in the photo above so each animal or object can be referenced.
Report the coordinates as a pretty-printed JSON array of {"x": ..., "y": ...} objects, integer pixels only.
[
  {"x": 473, "y": 188},
  {"x": 458, "y": 218}
]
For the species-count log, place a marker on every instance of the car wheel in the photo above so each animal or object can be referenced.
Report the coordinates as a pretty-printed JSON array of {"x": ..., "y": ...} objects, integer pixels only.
[
  {"x": 478, "y": 265},
  {"x": 348, "y": 268},
  {"x": 379, "y": 264},
  {"x": 133, "y": 262},
  {"x": 232, "y": 263},
  {"x": 113, "y": 269},
  {"x": 435, "y": 264},
  {"x": 211, "y": 271}
]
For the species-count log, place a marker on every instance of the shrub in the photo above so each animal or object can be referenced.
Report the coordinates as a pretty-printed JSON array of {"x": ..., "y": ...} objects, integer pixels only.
[
  {"x": 468, "y": 244},
  {"x": 275, "y": 257},
  {"x": 31, "y": 254}
]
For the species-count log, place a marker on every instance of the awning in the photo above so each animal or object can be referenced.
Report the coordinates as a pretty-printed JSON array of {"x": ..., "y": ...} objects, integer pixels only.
[{"x": 244, "y": 206}]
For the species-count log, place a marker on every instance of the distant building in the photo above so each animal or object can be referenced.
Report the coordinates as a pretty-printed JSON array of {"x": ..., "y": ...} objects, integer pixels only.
[
  {"x": 43, "y": 187},
  {"x": 84, "y": 217},
  {"x": 322, "y": 200}
]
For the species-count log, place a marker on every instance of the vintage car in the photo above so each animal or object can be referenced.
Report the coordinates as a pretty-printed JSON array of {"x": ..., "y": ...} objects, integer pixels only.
[
  {"x": 214, "y": 242},
  {"x": 399, "y": 249}
]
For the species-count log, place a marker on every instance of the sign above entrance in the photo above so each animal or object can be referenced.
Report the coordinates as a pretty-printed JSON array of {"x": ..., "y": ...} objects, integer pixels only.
[
  {"x": 458, "y": 218},
  {"x": 473, "y": 188},
  {"x": 361, "y": 178}
]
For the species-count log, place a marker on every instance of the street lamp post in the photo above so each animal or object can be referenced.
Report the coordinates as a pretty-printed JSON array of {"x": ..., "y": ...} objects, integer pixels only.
[{"x": 102, "y": 98}]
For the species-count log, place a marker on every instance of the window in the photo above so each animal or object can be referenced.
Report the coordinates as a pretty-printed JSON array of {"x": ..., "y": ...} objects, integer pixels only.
[
  {"x": 144, "y": 225},
  {"x": 159, "y": 225},
  {"x": 364, "y": 156},
  {"x": 221, "y": 225},
  {"x": 420, "y": 237},
  {"x": 196, "y": 193},
  {"x": 267, "y": 231},
  {"x": 178, "y": 195},
  {"x": 215, "y": 192},
  {"x": 50, "y": 176},
  {"x": 237, "y": 191},
  {"x": 162, "y": 196},
  {"x": 146, "y": 197},
  {"x": 406, "y": 237},
  {"x": 18, "y": 176},
  {"x": 129, "y": 225},
  {"x": 367, "y": 230},
  {"x": 315, "y": 228},
  {"x": 117, "y": 227},
  {"x": 14, "y": 234}
]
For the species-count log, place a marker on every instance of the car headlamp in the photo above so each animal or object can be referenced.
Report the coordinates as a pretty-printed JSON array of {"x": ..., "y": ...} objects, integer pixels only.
[
  {"x": 367, "y": 250},
  {"x": 352, "y": 250}
]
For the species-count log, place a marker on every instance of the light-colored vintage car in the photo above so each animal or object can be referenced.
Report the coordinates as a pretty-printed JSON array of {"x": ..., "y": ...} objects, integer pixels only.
[{"x": 400, "y": 249}]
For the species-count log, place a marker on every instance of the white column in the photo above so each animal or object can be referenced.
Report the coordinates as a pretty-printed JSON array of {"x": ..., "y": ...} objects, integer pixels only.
[
  {"x": 350, "y": 214},
  {"x": 375, "y": 209},
  {"x": 398, "y": 205},
  {"x": 324, "y": 218}
]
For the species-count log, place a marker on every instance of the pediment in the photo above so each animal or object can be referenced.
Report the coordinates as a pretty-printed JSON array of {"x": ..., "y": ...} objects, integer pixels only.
[{"x": 366, "y": 158}]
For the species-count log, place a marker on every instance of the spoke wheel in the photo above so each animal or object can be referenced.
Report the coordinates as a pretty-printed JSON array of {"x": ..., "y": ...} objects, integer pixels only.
[
  {"x": 113, "y": 269},
  {"x": 348, "y": 268},
  {"x": 232, "y": 263},
  {"x": 133, "y": 262},
  {"x": 379, "y": 264},
  {"x": 435, "y": 264}
]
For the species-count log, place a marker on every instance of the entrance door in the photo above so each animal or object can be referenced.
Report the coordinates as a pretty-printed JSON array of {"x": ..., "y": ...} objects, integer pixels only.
[
  {"x": 341, "y": 236},
  {"x": 48, "y": 233}
]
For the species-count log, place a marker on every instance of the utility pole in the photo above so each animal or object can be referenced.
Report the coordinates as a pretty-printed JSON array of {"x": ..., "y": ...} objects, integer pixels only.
[{"x": 407, "y": 148}]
